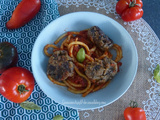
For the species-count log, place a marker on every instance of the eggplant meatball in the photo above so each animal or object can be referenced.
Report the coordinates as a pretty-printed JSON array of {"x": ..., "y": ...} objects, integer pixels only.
[
  {"x": 60, "y": 66},
  {"x": 101, "y": 70},
  {"x": 101, "y": 40}
]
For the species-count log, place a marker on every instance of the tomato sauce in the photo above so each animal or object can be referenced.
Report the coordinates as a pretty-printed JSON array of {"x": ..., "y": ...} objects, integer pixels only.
[
  {"x": 78, "y": 80},
  {"x": 119, "y": 64}
]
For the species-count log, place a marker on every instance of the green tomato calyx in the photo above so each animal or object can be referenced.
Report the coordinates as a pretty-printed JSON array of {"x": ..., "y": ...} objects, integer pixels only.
[
  {"x": 133, "y": 104},
  {"x": 22, "y": 89}
]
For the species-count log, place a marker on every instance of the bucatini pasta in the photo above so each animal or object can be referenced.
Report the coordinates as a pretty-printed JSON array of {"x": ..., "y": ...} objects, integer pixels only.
[{"x": 94, "y": 72}]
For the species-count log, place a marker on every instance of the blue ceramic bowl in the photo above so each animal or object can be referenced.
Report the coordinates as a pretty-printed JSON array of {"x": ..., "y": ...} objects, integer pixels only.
[{"x": 76, "y": 22}]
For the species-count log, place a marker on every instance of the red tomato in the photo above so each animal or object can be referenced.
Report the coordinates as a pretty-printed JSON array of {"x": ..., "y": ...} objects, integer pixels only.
[
  {"x": 129, "y": 10},
  {"x": 23, "y": 13},
  {"x": 16, "y": 84},
  {"x": 134, "y": 113}
]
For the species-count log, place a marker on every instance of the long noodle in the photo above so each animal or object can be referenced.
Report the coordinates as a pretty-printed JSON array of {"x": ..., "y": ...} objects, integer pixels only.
[
  {"x": 90, "y": 90},
  {"x": 71, "y": 42},
  {"x": 79, "y": 43},
  {"x": 56, "y": 82},
  {"x": 74, "y": 84},
  {"x": 49, "y": 46},
  {"x": 119, "y": 52}
]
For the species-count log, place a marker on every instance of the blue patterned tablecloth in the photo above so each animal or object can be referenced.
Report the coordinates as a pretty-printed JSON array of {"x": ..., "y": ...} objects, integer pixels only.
[{"x": 24, "y": 38}]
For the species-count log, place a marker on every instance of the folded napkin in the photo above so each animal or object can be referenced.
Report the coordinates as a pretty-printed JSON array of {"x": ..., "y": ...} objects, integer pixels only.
[{"x": 24, "y": 38}]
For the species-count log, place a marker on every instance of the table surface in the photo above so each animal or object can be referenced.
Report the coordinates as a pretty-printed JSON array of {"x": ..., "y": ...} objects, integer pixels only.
[
  {"x": 140, "y": 89},
  {"x": 152, "y": 14},
  {"x": 146, "y": 42}
]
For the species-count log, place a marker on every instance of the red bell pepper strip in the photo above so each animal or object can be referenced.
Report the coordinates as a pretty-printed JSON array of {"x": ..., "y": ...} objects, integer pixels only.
[{"x": 23, "y": 13}]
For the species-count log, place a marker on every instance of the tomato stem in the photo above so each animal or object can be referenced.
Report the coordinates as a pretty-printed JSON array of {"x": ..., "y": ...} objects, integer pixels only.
[
  {"x": 133, "y": 104},
  {"x": 133, "y": 3},
  {"x": 22, "y": 89}
]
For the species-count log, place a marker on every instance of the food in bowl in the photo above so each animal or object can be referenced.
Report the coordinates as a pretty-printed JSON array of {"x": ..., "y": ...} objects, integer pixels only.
[{"x": 83, "y": 62}]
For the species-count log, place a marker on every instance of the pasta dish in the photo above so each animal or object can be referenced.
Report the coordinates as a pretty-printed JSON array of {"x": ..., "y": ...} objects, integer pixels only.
[{"x": 83, "y": 62}]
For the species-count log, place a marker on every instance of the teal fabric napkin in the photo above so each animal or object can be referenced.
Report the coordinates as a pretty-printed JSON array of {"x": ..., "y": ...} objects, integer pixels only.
[{"x": 24, "y": 38}]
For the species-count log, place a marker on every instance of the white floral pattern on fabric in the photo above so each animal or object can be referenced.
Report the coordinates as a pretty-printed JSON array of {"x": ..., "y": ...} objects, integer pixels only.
[{"x": 151, "y": 45}]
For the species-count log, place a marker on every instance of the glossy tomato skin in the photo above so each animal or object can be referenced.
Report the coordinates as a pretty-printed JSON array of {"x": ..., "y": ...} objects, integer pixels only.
[
  {"x": 129, "y": 10},
  {"x": 132, "y": 13},
  {"x": 139, "y": 3},
  {"x": 134, "y": 114},
  {"x": 23, "y": 13},
  {"x": 8, "y": 56},
  {"x": 121, "y": 6},
  {"x": 11, "y": 79}
]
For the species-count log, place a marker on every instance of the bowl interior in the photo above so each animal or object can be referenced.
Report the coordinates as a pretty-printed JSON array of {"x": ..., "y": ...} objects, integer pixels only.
[{"x": 76, "y": 22}]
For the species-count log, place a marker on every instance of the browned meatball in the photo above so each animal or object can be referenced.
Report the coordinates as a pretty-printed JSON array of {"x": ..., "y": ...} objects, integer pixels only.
[
  {"x": 101, "y": 40},
  {"x": 60, "y": 66},
  {"x": 101, "y": 70}
]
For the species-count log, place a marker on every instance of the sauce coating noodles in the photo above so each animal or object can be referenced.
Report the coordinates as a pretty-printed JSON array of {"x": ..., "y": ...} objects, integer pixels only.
[{"x": 83, "y": 81}]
